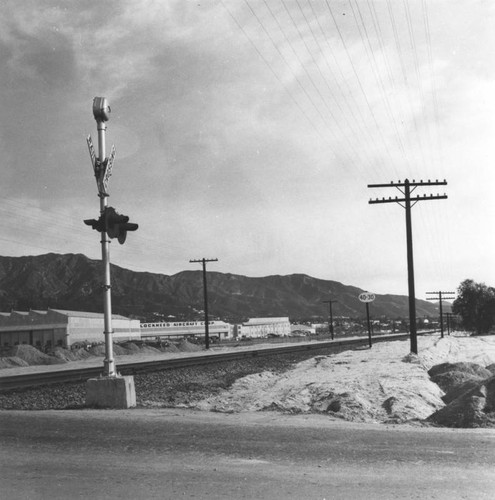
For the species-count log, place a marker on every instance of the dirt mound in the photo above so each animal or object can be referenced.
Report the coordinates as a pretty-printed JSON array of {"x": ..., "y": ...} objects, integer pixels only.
[
  {"x": 32, "y": 356},
  {"x": 131, "y": 346},
  {"x": 12, "y": 362},
  {"x": 118, "y": 350},
  {"x": 81, "y": 354},
  {"x": 459, "y": 390},
  {"x": 462, "y": 366},
  {"x": 170, "y": 348},
  {"x": 148, "y": 349},
  {"x": 185, "y": 346},
  {"x": 451, "y": 376},
  {"x": 491, "y": 368},
  {"x": 474, "y": 408},
  {"x": 63, "y": 354}
]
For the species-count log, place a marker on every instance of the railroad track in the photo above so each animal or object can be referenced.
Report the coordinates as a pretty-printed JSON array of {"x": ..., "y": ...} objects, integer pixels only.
[{"x": 29, "y": 380}]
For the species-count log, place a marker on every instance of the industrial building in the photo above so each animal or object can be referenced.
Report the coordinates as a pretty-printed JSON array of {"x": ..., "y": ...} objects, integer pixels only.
[
  {"x": 56, "y": 327},
  {"x": 181, "y": 329},
  {"x": 263, "y": 327}
]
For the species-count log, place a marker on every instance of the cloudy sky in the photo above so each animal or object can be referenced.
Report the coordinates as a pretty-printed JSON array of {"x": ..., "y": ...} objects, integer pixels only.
[{"x": 248, "y": 131}]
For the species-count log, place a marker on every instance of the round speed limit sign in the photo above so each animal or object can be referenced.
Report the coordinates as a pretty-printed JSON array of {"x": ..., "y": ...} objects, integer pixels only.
[{"x": 366, "y": 297}]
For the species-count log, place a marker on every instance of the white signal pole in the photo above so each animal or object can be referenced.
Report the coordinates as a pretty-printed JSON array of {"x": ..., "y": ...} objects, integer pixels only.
[
  {"x": 110, "y": 390},
  {"x": 103, "y": 168}
]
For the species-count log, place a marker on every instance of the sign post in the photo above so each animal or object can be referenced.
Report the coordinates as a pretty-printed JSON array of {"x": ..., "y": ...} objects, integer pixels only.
[{"x": 367, "y": 297}]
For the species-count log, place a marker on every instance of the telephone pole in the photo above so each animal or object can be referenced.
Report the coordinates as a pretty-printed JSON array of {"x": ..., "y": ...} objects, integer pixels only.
[
  {"x": 330, "y": 319},
  {"x": 205, "y": 294},
  {"x": 407, "y": 201},
  {"x": 450, "y": 325},
  {"x": 440, "y": 297}
]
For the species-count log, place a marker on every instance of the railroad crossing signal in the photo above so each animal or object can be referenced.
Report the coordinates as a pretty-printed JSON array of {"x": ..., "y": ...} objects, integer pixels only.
[
  {"x": 102, "y": 169},
  {"x": 117, "y": 225},
  {"x": 114, "y": 224}
]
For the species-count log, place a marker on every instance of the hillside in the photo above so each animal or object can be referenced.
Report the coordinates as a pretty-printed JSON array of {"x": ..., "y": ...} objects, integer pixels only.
[{"x": 73, "y": 281}]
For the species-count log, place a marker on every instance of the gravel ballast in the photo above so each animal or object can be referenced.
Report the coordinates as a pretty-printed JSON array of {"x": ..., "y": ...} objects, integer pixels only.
[{"x": 166, "y": 389}]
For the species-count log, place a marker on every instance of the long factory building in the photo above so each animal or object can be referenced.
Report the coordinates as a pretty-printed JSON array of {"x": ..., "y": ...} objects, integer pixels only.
[{"x": 57, "y": 327}]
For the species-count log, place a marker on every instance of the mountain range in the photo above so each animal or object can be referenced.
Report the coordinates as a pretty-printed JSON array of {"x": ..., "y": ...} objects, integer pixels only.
[{"x": 74, "y": 282}]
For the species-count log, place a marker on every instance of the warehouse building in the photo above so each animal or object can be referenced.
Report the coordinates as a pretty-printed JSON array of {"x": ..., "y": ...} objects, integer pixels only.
[
  {"x": 263, "y": 327},
  {"x": 183, "y": 329},
  {"x": 56, "y": 327}
]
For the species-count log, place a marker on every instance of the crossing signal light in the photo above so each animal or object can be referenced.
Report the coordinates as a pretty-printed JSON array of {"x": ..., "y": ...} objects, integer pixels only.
[
  {"x": 117, "y": 225},
  {"x": 114, "y": 224},
  {"x": 99, "y": 224}
]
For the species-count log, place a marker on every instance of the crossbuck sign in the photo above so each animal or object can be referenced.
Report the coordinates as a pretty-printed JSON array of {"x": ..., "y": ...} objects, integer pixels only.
[{"x": 366, "y": 297}]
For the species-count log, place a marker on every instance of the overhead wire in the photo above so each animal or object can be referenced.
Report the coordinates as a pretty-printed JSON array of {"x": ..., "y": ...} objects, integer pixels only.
[
  {"x": 377, "y": 74},
  {"x": 312, "y": 101},
  {"x": 445, "y": 237},
  {"x": 350, "y": 98},
  {"x": 277, "y": 77},
  {"x": 301, "y": 86},
  {"x": 360, "y": 85},
  {"x": 366, "y": 160},
  {"x": 433, "y": 222},
  {"x": 405, "y": 78},
  {"x": 351, "y": 146},
  {"x": 37, "y": 225}
]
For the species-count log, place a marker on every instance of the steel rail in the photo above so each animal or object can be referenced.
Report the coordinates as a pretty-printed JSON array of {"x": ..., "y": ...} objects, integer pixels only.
[{"x": 29, "y": 380}]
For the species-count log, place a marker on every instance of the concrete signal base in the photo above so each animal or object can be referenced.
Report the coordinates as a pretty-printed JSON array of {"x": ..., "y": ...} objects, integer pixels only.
[{"x": 111, "y": 392}]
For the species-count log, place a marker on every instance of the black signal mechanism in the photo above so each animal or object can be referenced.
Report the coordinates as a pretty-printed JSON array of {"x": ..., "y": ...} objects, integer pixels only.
[
  {"x": 99, "y": 224},
  {"x": 117, "y": 225}
]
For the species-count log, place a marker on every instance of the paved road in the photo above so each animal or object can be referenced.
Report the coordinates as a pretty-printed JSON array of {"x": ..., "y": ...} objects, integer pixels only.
[{"x": 173, "y": 454}]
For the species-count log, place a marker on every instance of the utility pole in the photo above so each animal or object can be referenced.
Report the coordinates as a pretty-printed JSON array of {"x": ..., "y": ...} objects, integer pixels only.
[
  {"x": 439, "y": 297},
  {"x": 330, "y": 319},
  {"x": 407, "y": 202},
  {"x": 449, "y": 322},
  {"x": 205, "y": 294}
]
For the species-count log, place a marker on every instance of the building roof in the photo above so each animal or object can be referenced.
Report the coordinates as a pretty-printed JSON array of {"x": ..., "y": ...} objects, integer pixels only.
[
  {"x": 85, "y": 314},
  {"x": 33, "y": 314},
  {"x": 266, "y": 321}
]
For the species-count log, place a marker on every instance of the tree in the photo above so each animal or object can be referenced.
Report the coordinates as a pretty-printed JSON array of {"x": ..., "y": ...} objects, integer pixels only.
[{"x": 475, "y": 304}]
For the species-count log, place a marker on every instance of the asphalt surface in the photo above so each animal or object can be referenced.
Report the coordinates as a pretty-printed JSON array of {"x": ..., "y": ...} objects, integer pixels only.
[{"x": 170, "y": 454}]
